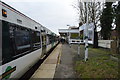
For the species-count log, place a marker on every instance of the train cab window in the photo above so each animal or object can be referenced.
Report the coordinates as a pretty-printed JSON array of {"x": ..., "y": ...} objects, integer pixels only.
[
  {"x": 22, "y": 40},
  {"x": 36, "y": 39}
]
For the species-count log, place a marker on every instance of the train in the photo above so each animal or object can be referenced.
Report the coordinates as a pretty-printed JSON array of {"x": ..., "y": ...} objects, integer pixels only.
[{"x": 23, "y": 42}]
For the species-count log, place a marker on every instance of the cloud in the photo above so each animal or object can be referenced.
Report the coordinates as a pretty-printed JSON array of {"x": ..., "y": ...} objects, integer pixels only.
[
  {"x": 53, "y": 14},
  {"x": 63, "y": 1},
  {"x": 25, "y": 0}
]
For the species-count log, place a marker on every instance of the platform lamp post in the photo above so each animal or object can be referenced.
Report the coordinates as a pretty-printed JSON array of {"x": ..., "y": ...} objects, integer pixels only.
[{"x": 86, "y": 37}]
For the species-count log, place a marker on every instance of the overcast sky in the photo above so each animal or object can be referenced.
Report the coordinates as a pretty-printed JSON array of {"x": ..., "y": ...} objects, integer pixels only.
[{"x": 53, "y": 14}]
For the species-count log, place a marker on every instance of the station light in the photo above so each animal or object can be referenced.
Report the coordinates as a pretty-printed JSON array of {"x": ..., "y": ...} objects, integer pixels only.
[{"x": 4, "y": 13}]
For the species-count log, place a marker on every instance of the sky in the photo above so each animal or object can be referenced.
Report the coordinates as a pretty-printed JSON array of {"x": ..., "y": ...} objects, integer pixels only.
[{"x": 53, "y": 14}]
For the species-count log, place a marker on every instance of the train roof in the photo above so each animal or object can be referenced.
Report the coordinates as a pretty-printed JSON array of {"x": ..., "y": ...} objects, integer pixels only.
[
  {"x": 18, "y": 12},
  {"x": 23, "y": 15}
]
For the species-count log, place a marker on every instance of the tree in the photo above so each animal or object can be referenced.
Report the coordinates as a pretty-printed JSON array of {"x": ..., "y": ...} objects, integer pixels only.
[
  {"x": 106, "y": 20},
  {"x": 81, "y": 11},
  {"x": 95, "y": 10},
  {"x": 118, "y": 24}
]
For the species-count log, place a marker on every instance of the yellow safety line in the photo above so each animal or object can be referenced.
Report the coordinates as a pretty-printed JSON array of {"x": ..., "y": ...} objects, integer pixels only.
[{"x": 59, "y": 56}]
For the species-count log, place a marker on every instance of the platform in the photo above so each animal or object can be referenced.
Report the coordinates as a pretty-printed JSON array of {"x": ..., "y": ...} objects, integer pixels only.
[{"x": 47, "y": 68}]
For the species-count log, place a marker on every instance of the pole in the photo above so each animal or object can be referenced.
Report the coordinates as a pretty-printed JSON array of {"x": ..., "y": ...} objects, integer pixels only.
[
  {"x": 86, "y": 37},
  {"x": 79, "y": 46},
  {"x": 78, "y": 49},
  {"x": 69, "y": 38}
]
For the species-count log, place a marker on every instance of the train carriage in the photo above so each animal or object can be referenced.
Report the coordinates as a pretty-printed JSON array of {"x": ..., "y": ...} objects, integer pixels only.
[{"x": 23, "y": 42}]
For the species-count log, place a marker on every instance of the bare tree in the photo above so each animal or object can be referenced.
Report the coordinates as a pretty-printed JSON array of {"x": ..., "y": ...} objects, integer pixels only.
[
  {"x": 95, "y": 10},
  {"x": 81, "y": 10}
]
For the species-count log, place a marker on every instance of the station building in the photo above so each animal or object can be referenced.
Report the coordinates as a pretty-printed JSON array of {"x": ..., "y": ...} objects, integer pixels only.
[
  {"x": 71, "y": 35},
  {"x": 77, "y": 34}
]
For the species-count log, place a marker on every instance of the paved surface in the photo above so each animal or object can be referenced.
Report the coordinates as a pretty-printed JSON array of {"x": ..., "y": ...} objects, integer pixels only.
[
  {"x": 60, "y": 63},
  {"x": 47, "y": 68},
  {"x": 65, "y": 68}
]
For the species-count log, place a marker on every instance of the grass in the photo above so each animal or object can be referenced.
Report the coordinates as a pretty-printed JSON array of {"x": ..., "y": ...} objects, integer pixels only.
[{"x": 99, "y": 65}]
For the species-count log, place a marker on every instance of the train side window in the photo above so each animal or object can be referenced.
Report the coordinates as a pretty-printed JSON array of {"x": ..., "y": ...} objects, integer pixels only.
[
  {"x": 12, "y": 38},
  {"x": 7, "y": 45},
  {"x": 48, "y": 39},
  {"x": 36, "y": 39},
  {"x": 22, "y": 40},
  {"x": 52, "y": 39},
  {"x": 16, "y": 41}
]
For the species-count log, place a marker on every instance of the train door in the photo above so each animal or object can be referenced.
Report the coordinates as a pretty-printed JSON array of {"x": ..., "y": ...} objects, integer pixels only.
[
  {"x": 52, "y": 41},
  {"x": 43, "y": 45}
]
